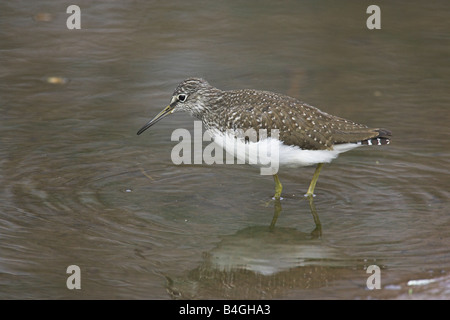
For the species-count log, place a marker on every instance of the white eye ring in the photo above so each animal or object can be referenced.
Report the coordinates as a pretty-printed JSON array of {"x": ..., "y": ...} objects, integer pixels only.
[{"x": 182, "y": 97}]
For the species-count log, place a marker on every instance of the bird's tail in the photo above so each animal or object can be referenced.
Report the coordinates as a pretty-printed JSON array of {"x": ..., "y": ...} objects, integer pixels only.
[
  {"x": 382, "y": 137},
  {"x": 364, "y": 136}
]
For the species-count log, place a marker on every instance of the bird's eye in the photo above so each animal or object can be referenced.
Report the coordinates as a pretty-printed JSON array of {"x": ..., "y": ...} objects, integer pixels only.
[{"x": 181, "y": 97}]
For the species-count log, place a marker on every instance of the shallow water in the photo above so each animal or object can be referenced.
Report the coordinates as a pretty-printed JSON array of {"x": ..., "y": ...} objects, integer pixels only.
[{"x": 78, "y": 187}]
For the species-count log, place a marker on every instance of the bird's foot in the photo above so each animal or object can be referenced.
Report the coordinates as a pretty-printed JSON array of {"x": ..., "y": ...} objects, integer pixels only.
[
  {"x": 271, "y": 201},
  {"x": 308, "y": 195}
]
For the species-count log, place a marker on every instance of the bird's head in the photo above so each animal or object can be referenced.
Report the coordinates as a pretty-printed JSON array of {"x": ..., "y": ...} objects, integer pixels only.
[{"x": 190, "y": 96}]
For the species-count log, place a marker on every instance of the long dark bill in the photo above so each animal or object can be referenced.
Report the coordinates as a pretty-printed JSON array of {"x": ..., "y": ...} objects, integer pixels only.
[{"x": 167, "y": 110}]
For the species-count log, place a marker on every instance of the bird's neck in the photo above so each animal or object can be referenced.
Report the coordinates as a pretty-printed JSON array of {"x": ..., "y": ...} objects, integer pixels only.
[{"x": 209, "y": 109}]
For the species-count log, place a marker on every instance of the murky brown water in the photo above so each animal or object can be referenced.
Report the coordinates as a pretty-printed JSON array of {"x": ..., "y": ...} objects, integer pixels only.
[{"x": 78, "y": 187}]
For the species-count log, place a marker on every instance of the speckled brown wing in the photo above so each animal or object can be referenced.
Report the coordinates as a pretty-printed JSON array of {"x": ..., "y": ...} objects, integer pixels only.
[{"x": 299, "y": 124}]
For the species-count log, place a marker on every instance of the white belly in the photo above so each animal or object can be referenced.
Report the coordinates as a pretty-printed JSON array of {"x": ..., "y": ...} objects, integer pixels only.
[{"x": 270, "y": 152}]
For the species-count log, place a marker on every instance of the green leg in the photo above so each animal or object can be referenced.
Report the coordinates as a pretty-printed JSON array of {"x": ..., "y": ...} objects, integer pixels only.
[
  {"x": 278, "y": 187},
  {"x": 312, "y": 185}
]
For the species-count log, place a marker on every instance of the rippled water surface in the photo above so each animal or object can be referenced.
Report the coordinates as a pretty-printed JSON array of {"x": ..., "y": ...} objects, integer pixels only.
[{"x": 78, "y": 187}]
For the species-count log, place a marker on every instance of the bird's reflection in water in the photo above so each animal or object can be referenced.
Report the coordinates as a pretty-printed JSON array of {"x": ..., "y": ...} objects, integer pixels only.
[
  {"x": 316, "y": 233},
  {"x": 262, "y": 262}
]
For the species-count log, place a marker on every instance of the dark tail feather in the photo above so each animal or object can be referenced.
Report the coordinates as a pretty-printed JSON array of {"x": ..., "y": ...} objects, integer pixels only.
[{"x": 384, "y": 137}]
